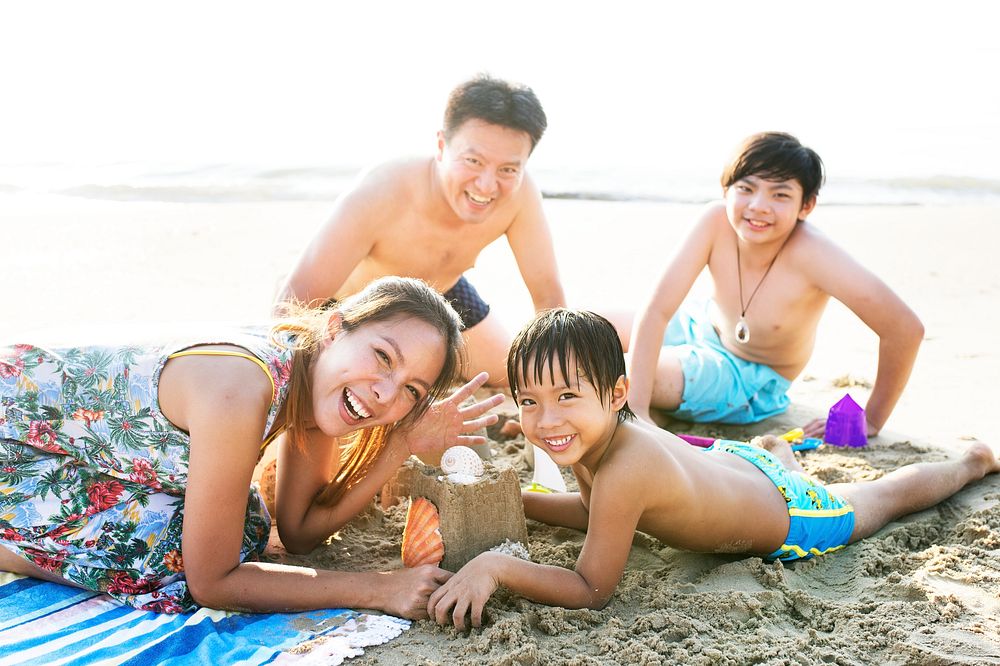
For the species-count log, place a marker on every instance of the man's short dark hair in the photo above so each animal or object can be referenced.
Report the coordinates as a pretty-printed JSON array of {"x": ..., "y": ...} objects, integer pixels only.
[
  {"x": 776, "y": 156},
  {"x": 555, "y": 335},
  {"x": 497, "y": 102}
]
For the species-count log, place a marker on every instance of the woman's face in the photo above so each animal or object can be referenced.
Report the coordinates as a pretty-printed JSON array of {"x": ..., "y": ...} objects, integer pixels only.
[{"x": 375, "y": 374}]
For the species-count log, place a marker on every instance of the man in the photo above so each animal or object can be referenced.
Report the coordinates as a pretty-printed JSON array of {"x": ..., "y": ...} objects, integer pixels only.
[{"x": 430, "y": 218}]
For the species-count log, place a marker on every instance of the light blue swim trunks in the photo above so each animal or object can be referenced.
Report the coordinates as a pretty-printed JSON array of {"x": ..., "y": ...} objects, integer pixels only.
[
  {"x": 720, "y": 387},
  {"x": 819, "y": 521}
]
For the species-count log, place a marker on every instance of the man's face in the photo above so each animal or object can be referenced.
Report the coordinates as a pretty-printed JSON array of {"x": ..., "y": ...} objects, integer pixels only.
[{"x": 481, "y": 166}]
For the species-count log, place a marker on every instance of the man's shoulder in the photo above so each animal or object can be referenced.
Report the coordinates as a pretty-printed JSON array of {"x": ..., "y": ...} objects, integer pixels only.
[{"x": 390, "y": 185}]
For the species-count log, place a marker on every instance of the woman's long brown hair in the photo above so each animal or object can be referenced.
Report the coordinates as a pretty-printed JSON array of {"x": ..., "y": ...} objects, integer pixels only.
[{"x": 382, "y": 300}]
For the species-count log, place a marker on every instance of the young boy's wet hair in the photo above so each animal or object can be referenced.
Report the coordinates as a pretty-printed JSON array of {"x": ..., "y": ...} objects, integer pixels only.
[
  {"x": 776, "y": 156},
  {"x": 497, "y": 102},
  {"x": 556, "y": 336}
]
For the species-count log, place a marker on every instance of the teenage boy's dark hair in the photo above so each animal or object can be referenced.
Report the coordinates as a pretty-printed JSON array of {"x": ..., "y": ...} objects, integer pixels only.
[
  {"x": 497, "y": 102},
  {"x": 560, "y": 333},
  {"x": 776, "y": 156}
]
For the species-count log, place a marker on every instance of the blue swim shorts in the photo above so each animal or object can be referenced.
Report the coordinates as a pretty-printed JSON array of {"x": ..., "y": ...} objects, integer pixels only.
[
  {"x": 720, "y": 387},
  {"x": 819, "y": 522},
  {"x": 467, "y": 303}
]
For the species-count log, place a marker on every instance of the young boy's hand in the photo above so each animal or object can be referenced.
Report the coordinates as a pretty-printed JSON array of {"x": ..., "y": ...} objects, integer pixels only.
[
  {"x": 465, "y": 593},
  {"x": 446, "y": 422},
  {"x": 408, "y": 589}
]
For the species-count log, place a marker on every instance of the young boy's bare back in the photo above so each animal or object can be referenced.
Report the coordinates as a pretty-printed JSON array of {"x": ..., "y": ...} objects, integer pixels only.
[
  {"x": 688, "y": 498},
  {"x": 773, "y": 274},
  {"x": 566, "y": 373}
]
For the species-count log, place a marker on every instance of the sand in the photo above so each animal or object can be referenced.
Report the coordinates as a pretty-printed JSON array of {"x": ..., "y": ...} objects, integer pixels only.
[{"x": 924, "y": 590}]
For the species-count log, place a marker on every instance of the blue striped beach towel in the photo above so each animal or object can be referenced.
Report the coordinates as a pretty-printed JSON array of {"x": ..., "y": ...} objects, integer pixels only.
[{"x": 47, "y": 623}]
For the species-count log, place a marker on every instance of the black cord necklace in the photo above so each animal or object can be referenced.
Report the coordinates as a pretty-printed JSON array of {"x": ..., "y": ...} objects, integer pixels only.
[{"x": 742, "y": 331}]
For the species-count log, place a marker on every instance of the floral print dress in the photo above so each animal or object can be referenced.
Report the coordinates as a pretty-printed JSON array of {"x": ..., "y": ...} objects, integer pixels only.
[{"x": 92, "y": 475}]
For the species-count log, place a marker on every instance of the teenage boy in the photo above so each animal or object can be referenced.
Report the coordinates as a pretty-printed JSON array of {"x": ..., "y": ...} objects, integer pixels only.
[{"x": 733, "y": 358}]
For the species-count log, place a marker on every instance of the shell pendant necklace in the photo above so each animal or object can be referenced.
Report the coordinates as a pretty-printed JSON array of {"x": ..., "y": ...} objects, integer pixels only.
[{"x": 742, "y": 331}]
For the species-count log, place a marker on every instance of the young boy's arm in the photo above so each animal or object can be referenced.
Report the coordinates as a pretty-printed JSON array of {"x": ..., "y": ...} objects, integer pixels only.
[
  {"x": 563, "y": 509},
  {"x": 336, "y": 249},
  {"x": 614, "y": 513},
  {"x": 531, "y": 243},
  {"x": 899, "y": 329},
  {"x": 652, "y": 320}
]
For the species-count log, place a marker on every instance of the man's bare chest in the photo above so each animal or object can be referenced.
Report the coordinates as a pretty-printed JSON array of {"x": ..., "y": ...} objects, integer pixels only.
[{"x": 430, "y": 252}]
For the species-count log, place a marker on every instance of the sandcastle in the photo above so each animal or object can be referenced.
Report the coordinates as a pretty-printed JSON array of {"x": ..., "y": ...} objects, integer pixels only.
[{"x": 476, "y": 514}]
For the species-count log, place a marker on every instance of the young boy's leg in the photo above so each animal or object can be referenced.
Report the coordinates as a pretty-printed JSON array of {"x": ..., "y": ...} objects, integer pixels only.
[{"x": 912, "y": 488}]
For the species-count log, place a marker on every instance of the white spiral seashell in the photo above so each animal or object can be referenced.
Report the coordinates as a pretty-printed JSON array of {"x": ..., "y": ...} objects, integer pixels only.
[{"x": 462, "y": 460}]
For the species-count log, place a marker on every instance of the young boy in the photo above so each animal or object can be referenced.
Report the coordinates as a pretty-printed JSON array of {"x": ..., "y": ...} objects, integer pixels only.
[
  {"x": 733, "y": 359},
  {"x": 430, "y": 217},
  {"x": 567, "y": 376}
]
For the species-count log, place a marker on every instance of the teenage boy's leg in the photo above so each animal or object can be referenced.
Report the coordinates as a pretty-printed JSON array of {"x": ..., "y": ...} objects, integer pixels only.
[
  {"x": 668, "y": 385},
  {"x": 912, "y": 488}
]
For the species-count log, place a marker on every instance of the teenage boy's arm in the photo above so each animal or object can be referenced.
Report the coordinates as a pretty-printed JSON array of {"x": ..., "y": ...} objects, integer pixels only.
[
  {"x": 673, "y": 287},
  {"x": 531, "y": 243},
  {"x": 614, "y": 514},
  {"x": 899, "y": 329},
  {"x": 337, "y": 248}
]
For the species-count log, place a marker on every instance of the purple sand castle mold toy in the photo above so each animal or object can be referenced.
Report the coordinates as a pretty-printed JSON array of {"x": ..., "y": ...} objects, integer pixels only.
[{"x": 846, "y": 425}]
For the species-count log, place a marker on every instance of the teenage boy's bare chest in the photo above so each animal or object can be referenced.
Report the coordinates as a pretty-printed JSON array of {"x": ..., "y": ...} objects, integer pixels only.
[{"x": 771, "y": 320}]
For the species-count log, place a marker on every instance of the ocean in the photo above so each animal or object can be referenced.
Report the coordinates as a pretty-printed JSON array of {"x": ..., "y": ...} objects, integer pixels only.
[{"x": 230, "y": 183}]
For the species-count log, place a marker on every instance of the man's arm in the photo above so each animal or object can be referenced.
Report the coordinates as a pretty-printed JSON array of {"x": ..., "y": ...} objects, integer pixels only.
[
  {"x": 531, "y": 242},
  {"x": 671, "y": 290},
  {"x": 338, "y": 247},
  {"x": 899, "y": 329}
]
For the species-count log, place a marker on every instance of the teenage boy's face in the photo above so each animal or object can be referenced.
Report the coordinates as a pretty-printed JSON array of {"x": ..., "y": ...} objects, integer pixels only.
[
  {"x": 762, "y": 210},
  {"x": 480, "y": 167},
  {"x": 567, "y": 420}
]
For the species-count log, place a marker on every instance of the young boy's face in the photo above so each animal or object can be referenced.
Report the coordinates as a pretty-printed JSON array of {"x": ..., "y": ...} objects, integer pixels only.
[
  {"x": 568, "y": 421},
  {"x": 480, "y": 166},
  {"x": 763, "y": 210}
]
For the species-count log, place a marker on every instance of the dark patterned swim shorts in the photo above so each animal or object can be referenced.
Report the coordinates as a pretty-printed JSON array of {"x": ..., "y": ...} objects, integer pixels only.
[{"x": 467, "y": 303}]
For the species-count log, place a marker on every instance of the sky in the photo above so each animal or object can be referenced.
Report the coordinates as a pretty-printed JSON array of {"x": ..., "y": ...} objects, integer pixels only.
[{"x": 878, "y": 88}]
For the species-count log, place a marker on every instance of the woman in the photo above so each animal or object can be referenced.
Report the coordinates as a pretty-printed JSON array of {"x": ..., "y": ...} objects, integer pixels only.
[{"x": 126, "y": 470}]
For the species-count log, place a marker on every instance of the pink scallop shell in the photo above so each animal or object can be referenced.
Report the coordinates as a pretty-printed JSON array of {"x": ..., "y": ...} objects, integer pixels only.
[{"x": 422, "y": 542}]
